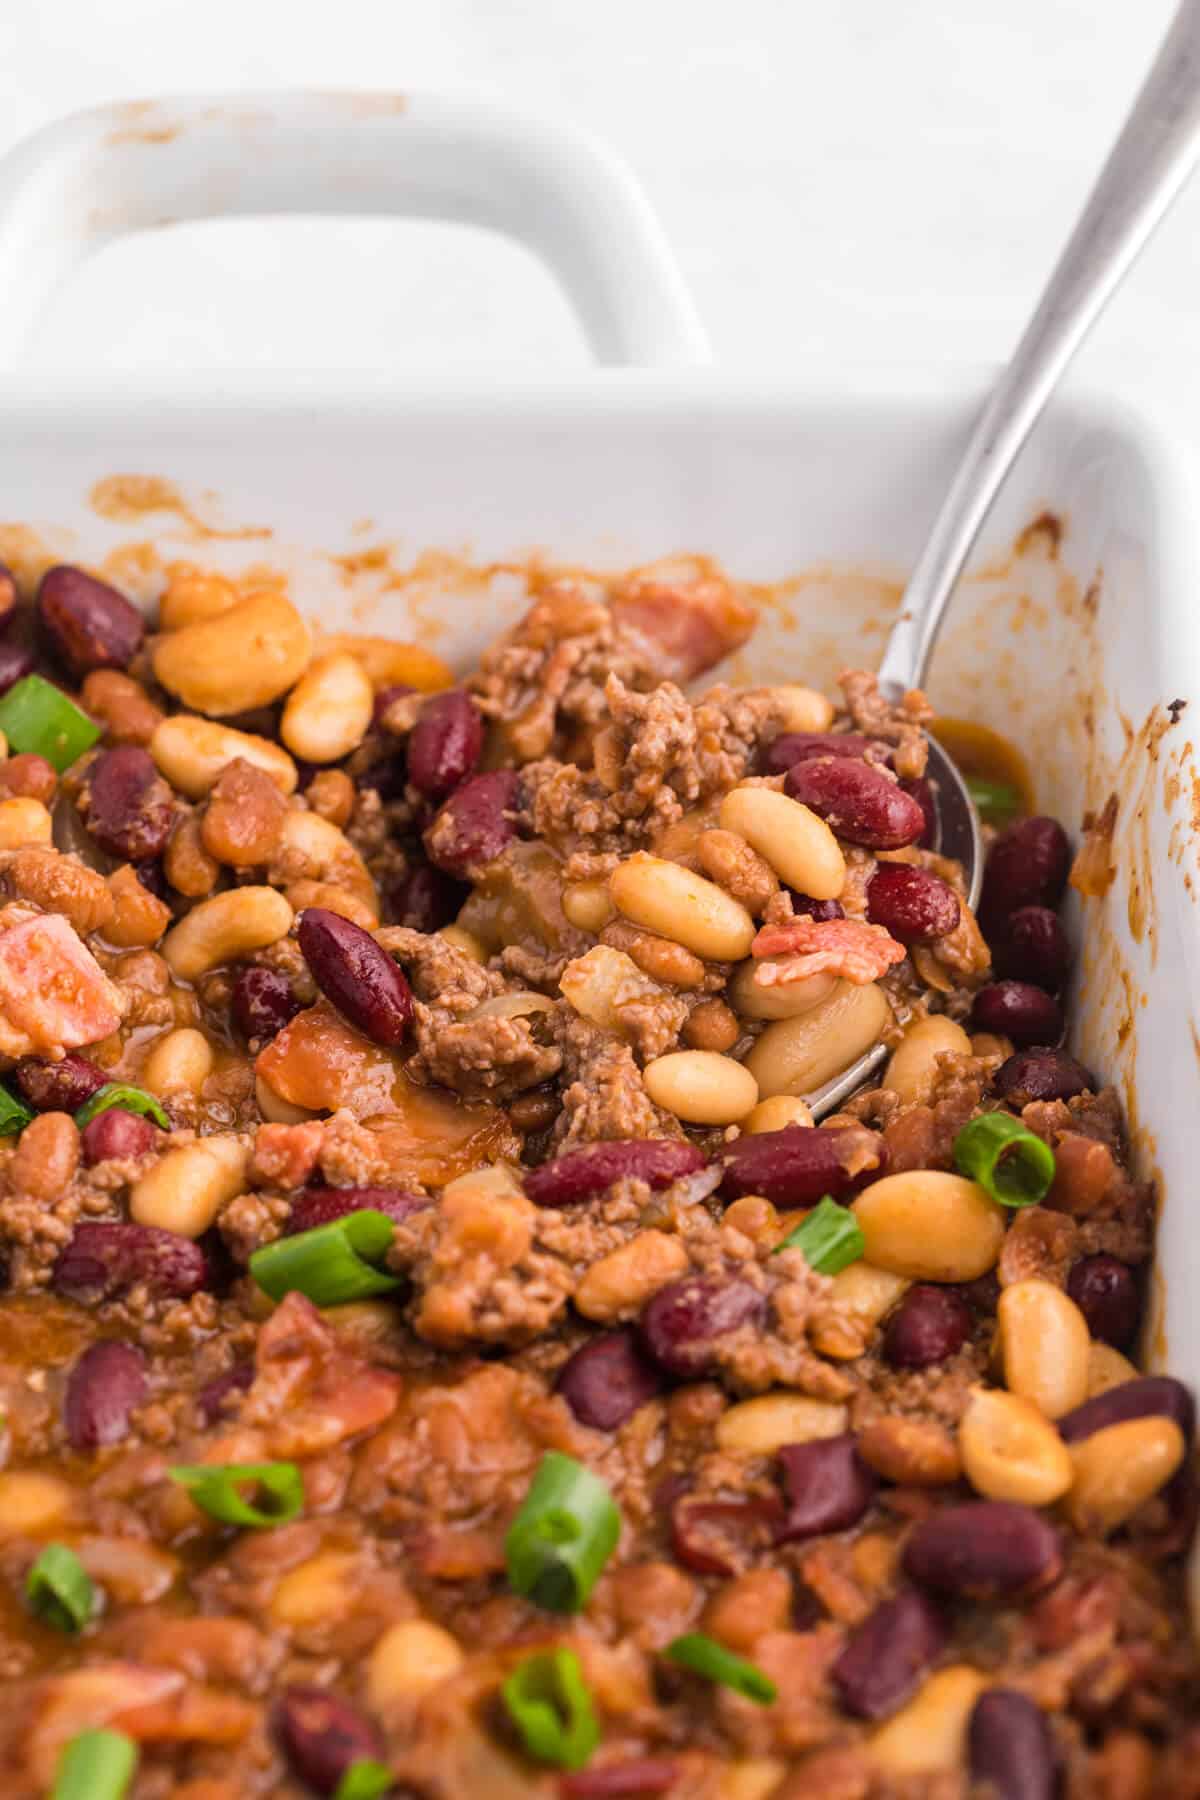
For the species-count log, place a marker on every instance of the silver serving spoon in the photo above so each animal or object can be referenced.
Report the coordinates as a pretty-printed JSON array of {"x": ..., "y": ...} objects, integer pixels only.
[{"x": 1146, "y": 168}]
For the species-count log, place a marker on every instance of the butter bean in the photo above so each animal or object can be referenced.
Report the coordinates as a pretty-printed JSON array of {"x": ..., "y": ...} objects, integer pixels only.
[
  {"x": 930, "y": 1226},
  {"x": 701, "y": 1087},
  {"x": 1044, "y": 1346},
  {"x": 1119, "y": 1468},
  {"x": 799, "y": 846},
  {"x": 668, "y": 899},
  {"x": 761, "y": 1426},
  {"x": 913, "y": 1063},
  {"x": 798, "y": 1056},
  {"x": 1010, "y": 1451}
]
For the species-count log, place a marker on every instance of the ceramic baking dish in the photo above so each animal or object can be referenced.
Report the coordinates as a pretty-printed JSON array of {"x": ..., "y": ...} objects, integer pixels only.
[{"x": 411, "y": 508}]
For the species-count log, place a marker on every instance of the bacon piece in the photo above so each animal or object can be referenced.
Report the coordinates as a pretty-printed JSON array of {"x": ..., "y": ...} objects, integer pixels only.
[
  {"x": 54, "y": 995},
  {"x": 691, "y": 624},
  {"x": 309, "y": 1393},
  {"x": 847, "y": 947}
]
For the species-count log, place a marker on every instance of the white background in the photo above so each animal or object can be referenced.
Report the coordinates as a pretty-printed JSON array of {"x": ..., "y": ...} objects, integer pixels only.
[{"x": 844, "y": 181}]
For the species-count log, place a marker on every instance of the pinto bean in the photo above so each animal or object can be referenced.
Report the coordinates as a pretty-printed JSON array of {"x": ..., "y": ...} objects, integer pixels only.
[
  {"x": 826, "y": 1485},
  {"x": 86, "y": 624},
  {"x": 103, "y": 1388},
  {"x": 608, "y": 1379},
  {"x": 579, "y": 1173},
  {"x": 984, "y": 1550},
  {"x": 859, "y": 803},
  {"x": 887, "y": 1654},
  {"x": 682, "y": 1323}
]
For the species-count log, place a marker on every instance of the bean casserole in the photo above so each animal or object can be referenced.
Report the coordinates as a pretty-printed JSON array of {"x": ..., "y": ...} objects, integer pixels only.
[{"x": 440, "y": 1355}]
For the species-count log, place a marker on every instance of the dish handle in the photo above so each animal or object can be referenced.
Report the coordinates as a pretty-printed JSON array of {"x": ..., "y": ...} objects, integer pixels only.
[{"x": 96, "y": 176}]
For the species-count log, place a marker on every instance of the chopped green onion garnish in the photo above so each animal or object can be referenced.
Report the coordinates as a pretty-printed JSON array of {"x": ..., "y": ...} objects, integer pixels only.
[
  {"x": 331, "y": 1263},
  {"x": 364, "y": 1780},
  {"x": 129, "y": 1099},
  {"x": 830, "y": 1237},
  {"x": 562, "y": 1537},
  {"x": 96, "y": 1765},
  {"x": 14, "y": 1115},
  {"x": 36, "y": 716},
  {"x": 548, "y": 1702},
  {"x": 59, "y": 1589},
  {"x": 995, "y": 802},
  {"x": 1014, "y": 1165},
  {"x": 216, "y": 1490},
  {"x": 704, "y": 1656}
]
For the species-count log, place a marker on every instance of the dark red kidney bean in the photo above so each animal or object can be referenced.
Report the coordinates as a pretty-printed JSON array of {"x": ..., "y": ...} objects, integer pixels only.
[
  {"x": 922, "y": 792},
  {"x": 16, "y": 662},
  {"x": 116, "y": 1135},
  {"x": 645, "y": 1775},
  {"x": 930, "y": 1324},
  {"x": 1148, "y": 1395},
  {"x": 656, "y": 1161},
  {"x": 888, "y": 1653},
  {"x": 1027, "y": 865},
  {"x": 1010, "y": 1747},
  {"x": 426, "y": 899},
  {"x": 826, "y": 1487},
  {"x": 801, "y": 746},
  {"x": 152, "y": 876},
  {"x": 321, "y": 1205},
  {"x": 805, "y": 907},
  {"x": 445, "y": 744},
  {"x": 61, "y": 1086},
  {"x": 322, "y": 1735},
  {"x": 606, "y": 1380},
  {"x": 103, "y": 1388},
  {"x": 792, "y": 1167},
  {"x": 1033, "y": 947},
  {"x": 262, "y": 1003},
  {"x": 680, "y": 1325},
  {"x": 85, "y": 623},
  {"x": 1167, "y": 1527},
  {"x": 1017, "y": 1010},
  {"x": 984, "y": 1550},
  {"x": 1106, "y": 1293},
  {"x": 472, "y": 828},
  {"x": 384, "y": 699},
  {"x": 722, "y": 1537},
  {"x": 1042, "y": 1074},
  {"x": 911, "y": 904},
  {"x": 211, "y": 1397},
  {"x": 109, "y": 1257},
  {"x": 389, "y": 777},
  {"x": 130, "y": 809},
  {"x": 982, "y": 1295},
  {"x": 858, "y": 802},
  {"x": 356, "y": 974}
]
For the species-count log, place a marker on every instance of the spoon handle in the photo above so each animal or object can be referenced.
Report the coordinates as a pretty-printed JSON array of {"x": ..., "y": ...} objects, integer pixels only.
[{"x": 1146, "y": 168}]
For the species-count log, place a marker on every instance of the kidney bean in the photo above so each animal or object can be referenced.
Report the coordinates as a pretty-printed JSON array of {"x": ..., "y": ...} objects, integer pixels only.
[
  {"x": 1017, "y": 1010},
  {"x": 445, "y": 744},
  {"x": 826, "y": 1486},
  {"x": 984, "y": 1550},
  {"x": 645, "y": 1775},
  {"x": 930, "y": 1324},
  {"x": 805, "y": 907},
  {"x": 1010, "y": 1747},
  {"x": 61, "y": 1086},
  {"x": 606, "y": 1380},
  {"x": 1033, "y": 947},
  {"x": 801, "y": 746},
  {"x": 109, "y": 1257},
  {"x": 116, "y": 1135},
  {"x": 103, "y": 1388},
  {"x": 389, "y": 777},
  {"x": 321, "y": 1205},
  {"x": 16, "y": 661},
  {"x": 888, "y": 1653},
  {"x": 1106, "y": 1293},
  {"x": 356, "y": 974},
  {"x": 426, "y": 898},
  {"x": 85, "y": 623},
  {"x": 1042, "y": 1074},
  {"x": 130, "y": 809},
  {"x": 472, "y": 828},
  {"x": 1027, "y": 865},
  {"x": 722, "y": 1537},
  {"x": 911, "y": 904},
  {"x": 211, "y": 1396},
  {"x": 792, "y": 1167},
  {"x": 921, "y": 790},
  {"x": 858, "y": 802},
  {"x": 322, "y": 1734},
  {"x": 680, "y": 1324},
  {"x": 1148, "y": 1395},
  {"x": 656, "y": 1161},
  {"x": 152, "y": 876},
  {"x": 262, "y": 1003}
]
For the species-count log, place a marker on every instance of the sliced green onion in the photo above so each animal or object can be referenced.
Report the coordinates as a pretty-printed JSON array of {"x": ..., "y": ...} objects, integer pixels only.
[
  {"x": 96, "y": 1765},
  {"x": 59, "y": 1589},
  {"x": 562, "y": 1537},
  {"x": 704, "y": 1656},
  {"x": 216, "y": 1490},
  {"x": 331, "y": 1263},
  {"x": 995, "y": 801},
  {"x": 830, "y": 1237},
  {"x": 36, "y": 716},
  {"x": 14, "y": 1115},
  {"x": 548, "y": 1702},
  {"x": 129, "y": 1099},
  {"x": 364, "y": 1780},
  {"x": 1014, "y": 1165}
]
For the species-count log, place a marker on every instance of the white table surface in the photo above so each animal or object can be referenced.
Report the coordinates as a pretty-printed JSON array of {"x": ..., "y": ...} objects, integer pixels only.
[{"x": 869, "y": 180}]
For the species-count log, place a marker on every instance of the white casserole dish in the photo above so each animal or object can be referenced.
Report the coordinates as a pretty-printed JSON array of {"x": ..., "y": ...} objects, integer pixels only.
[{"x": 827, "y": 486}]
